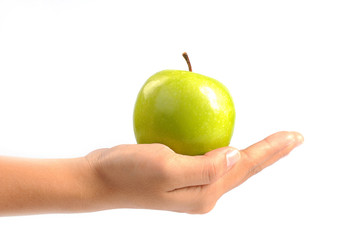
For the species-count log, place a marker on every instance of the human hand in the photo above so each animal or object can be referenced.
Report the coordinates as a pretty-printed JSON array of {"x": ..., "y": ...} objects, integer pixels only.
[{"x": 152, "y": 176}]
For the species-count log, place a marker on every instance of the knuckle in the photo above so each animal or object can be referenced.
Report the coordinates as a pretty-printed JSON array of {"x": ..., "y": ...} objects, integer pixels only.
[
  {"x": 248, "y": 159},
  {"x": 210, "y": 172},
  {"x": 252, "y": 165},
  {"x": 268, "y": 144},
  {"x": 254, "y": 170}
]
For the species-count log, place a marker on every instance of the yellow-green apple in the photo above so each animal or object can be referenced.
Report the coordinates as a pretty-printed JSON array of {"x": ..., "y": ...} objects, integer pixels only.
[{"x": 189, "y": 112}]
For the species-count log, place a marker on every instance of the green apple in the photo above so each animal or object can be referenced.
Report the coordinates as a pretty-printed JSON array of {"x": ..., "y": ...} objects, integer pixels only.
[{"x": 189, "y": 112}]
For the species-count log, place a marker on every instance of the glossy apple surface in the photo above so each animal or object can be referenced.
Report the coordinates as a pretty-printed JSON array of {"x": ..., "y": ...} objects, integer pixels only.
[{"x": 190, "y": 113}]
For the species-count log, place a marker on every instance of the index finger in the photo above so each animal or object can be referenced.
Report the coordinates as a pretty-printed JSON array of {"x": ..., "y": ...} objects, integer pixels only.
[
  {"x": 260, "y": 153},
  {"x": 259, "y": 156}
]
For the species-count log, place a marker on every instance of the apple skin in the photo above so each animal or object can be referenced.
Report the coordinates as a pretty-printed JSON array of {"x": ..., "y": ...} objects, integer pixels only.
[{"x": 189, "y": 112}]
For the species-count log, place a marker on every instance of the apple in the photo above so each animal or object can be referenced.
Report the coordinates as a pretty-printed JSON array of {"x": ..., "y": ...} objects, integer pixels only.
[{"x": 189, "y": 112}]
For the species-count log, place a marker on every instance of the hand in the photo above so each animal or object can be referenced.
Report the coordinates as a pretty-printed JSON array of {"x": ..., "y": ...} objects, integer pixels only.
[{"x": 152, "y": 176}]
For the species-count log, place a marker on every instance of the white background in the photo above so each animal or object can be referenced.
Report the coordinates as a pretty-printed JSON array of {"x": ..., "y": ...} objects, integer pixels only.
[{"x": 70, "y": 72}]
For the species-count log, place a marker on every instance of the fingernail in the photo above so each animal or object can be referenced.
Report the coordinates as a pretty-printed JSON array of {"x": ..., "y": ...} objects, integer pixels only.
[{"x": 232, "y": 157}]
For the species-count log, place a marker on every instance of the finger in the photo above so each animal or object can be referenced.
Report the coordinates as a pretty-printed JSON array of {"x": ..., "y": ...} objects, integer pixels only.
[
  {"x": 262, "y": 152},
  {"x": 259, "y": 156},
  {"x": 277, "y": 156},
  {"x": 199, "y": 170}
]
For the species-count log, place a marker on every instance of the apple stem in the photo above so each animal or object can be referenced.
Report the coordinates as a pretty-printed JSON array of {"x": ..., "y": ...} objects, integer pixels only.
[{"x": 185, "y": 55}]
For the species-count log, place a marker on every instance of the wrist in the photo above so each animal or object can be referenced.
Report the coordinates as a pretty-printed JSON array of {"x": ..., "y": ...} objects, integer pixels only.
[
  {"x": 100, "y": 192},
  {"x": 88, "y": 186},
  {"x": 94, "y": 189}
]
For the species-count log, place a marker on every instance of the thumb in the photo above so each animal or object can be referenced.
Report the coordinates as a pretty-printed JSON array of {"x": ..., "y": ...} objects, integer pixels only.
[
  {"x": 205, "y": 169},
  {"x": 231, "y": 155}
]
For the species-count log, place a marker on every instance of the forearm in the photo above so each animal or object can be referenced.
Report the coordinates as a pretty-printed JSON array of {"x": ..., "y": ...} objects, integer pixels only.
[{"x": 32, "y": 186}]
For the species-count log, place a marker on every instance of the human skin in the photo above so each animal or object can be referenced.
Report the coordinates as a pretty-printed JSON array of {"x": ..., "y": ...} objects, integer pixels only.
[{"x": 148, "y": 176}]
